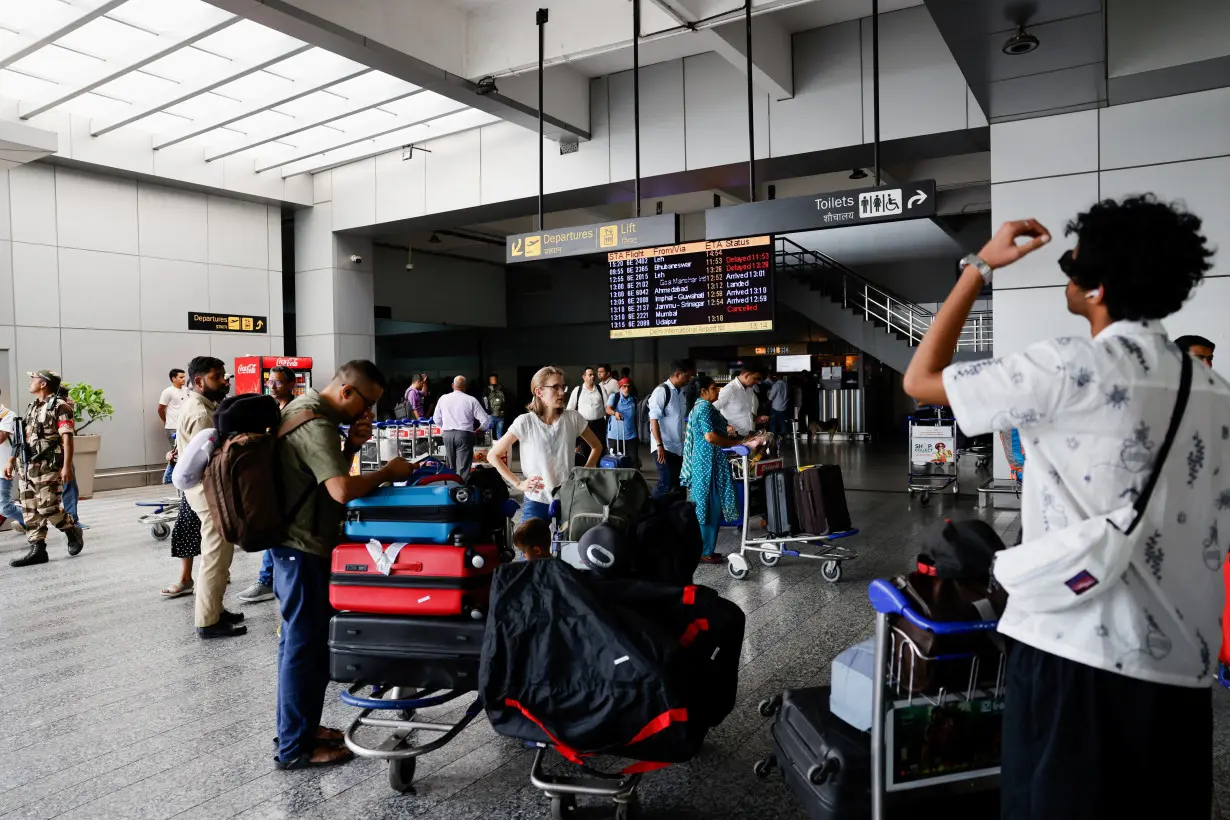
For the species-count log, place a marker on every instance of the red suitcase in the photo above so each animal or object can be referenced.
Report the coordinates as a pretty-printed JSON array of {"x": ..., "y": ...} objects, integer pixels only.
[{"x": 424, "y": 579}]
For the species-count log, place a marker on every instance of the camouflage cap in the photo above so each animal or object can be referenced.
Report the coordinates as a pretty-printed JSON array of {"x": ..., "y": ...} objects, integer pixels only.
[{"x": 50, "y": 376}]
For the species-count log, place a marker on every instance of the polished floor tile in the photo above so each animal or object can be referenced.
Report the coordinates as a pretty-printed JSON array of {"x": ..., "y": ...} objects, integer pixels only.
[{"x": 113, "y": 707}]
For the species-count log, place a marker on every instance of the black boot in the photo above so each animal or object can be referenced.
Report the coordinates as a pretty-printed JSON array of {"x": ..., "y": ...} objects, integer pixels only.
[
  {"x": 36, "y": 555},
  {"x": 76, "y": 540}
]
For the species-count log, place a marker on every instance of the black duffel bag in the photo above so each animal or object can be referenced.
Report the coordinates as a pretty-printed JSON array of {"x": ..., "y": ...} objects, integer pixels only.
[{"x": 628, "y": 668}]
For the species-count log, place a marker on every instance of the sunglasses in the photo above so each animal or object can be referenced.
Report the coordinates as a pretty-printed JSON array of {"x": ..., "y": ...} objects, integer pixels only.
[{"x": 1067, "y": 263}]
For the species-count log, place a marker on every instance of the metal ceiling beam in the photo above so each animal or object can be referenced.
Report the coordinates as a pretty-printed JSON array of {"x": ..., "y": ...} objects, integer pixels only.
[
  {"x": 297, "y": 91},
  {"x": 114, "y": 70},
  {"x": 32, "y": 43},
  {"x": 346, "y": 140},
  {"x": 468, "y": 120},
  {"x": 678, "y": 10},
  {"x": 187, "y": 92},
  {"x": 303, "y": 125}
]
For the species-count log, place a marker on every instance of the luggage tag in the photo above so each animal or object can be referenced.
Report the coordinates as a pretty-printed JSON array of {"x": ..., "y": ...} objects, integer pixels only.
[{"x": 383, "y": 557}]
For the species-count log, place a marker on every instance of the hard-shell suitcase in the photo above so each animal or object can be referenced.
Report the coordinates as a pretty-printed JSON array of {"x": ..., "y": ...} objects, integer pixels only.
[
  {"x": 435, "y": 513},
  {"x": 820, "y": 496},
  {"x": 781, "y": 512},
  {"x": 826, "y": 762},
  {"x": 616, "y": 458},
  {"x": 389, "y": 650},
  {"x": 424, "y": 579}
]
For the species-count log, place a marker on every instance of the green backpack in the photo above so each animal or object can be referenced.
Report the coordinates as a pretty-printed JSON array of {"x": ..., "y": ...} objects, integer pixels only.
[{"x": 593, "y": 496}]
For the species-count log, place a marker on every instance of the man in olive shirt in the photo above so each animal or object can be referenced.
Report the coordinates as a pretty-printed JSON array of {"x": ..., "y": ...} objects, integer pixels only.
[{"x": 315, "y": 471}]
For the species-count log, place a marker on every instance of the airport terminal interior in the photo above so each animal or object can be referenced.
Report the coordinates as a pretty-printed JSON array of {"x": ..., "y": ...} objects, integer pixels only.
[{"x": 483, "y": 208}]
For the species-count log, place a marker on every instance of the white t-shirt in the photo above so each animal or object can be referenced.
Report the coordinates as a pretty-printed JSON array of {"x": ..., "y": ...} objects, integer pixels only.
[
  {"x": 547, "y": 450},
  {"x": 172, "y": 398},
  {"x": 589, "y": 403},
  {"x": 8, "y": 424},
  {"x": 1092, "y": 414}
]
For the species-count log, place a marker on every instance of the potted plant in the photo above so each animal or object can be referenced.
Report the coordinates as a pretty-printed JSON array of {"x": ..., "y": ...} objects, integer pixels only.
[{"x": 90, "y": 405}]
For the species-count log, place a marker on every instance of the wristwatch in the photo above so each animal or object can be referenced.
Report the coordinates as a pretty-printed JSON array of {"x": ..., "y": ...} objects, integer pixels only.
[{"x": 975, "y": 261}]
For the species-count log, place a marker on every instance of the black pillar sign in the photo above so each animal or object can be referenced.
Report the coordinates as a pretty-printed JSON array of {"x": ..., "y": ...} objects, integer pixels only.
[
  {"x": 604, "y": 237},
  {"x": 839, "y": 209}
]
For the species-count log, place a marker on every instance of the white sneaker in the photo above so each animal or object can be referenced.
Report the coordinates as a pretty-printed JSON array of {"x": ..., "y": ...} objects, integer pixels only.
[{"x": 15, "y": 525}]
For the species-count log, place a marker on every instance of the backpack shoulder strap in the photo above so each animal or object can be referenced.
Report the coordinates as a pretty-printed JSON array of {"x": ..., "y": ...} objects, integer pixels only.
[{"x": 296, "y": 421}]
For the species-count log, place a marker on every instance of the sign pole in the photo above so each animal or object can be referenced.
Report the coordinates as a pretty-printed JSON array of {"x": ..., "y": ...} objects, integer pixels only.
[
  {"x": 875, "y": 84},
  {"x": 541, "y": 20},
  {"x": 751, "y": 124},
  {"x": 636, "y": 101}
]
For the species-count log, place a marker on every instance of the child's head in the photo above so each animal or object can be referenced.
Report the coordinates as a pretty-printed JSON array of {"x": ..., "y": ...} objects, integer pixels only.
[{"x": 533, "y": 537}]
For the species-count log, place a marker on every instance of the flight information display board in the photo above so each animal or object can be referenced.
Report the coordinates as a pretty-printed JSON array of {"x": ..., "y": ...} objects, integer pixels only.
[{"x": 723, "y": 286}]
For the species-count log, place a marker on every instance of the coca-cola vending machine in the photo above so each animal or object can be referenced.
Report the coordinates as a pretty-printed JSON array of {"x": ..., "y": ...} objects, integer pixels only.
[{"x": 252, "y": 372}]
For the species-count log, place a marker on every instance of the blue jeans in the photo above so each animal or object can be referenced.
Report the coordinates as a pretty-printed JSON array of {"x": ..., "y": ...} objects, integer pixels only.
[
  {"x": 668, "y": 473},
  {"x": 265, "y": 577},
  {"x": 302, "y": 581},
  {"x": 8, "y": 507},
  {"x": 777, "y": 422},
  {"x": 166, "y": 475},
  {"x": 497, "y": 429},
  {"x": 535, "y": 509},
  {"x": 70, "y": 498}
]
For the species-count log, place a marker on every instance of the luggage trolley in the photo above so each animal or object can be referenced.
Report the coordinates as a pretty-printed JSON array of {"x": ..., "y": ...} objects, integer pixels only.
[
  {"x": 932, "y": 465},
  {"x": 771, "y": 549},
  {"x": 894, "y": 708},
  {"x": 161, "y": 517},
  {"x": 397, "y": 747}
]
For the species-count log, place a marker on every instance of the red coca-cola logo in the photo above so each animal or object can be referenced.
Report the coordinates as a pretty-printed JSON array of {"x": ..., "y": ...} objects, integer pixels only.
[
  {"x": 247, "y": 370},
  {"x": 289, "y": 362}
]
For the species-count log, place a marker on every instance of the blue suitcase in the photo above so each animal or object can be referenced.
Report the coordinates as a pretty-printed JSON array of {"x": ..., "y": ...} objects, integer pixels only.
[
  {"x": 617, "y": 459},
  {"x": 431, "y": 513}
]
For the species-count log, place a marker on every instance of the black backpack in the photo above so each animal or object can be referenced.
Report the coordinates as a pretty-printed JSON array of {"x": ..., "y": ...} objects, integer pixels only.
[
  {"x": 667, "y": 542},
  {"x": 247, "y": 413}
]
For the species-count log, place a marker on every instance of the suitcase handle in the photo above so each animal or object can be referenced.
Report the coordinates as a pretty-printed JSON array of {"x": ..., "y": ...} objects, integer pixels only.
[{"x": 819, "y": 774}]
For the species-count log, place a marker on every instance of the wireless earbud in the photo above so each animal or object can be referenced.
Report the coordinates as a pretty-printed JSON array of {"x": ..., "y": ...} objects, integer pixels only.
[{"x": 1091, "y": 294}]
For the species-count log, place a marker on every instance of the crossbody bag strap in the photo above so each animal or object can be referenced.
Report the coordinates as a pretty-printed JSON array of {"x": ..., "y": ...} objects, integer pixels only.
[{"x": 1180, "y": 405}]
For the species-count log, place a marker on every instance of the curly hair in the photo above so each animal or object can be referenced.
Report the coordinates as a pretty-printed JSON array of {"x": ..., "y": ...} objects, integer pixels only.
[{"x": 1148, "y": 255}]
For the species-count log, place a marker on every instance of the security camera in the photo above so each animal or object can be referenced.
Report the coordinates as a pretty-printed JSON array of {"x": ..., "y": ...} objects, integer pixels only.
[{"x": 358, "y": 260}]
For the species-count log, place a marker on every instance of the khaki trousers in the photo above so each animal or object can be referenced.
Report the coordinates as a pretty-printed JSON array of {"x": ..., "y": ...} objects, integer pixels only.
[{"x": 215, "y": 566}]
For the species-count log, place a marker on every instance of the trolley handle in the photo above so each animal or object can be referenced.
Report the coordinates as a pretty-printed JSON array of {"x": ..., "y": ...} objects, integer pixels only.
[
  {"x": 738, "y": 450},
  {"x": 887, "y": 599}
]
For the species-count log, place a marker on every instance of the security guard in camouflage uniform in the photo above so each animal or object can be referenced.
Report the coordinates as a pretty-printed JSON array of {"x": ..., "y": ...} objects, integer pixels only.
[{"x": 46, "y": 465}]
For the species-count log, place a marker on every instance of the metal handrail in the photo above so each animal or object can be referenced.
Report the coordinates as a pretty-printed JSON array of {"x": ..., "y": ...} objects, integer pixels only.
[{"x": 875, "y": 303}]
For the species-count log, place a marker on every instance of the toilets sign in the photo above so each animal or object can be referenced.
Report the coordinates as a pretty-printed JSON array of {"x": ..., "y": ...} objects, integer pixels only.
[{"x": 839, "y": 209}]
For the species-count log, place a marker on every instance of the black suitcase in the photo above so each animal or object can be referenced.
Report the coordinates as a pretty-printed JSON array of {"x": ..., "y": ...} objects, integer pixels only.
[
  {"x": 781, "y": 512},
  {"x": 825, "y": 761},
  {"x": 399, "y": 650},
  {"x": 820, "y": 496}
]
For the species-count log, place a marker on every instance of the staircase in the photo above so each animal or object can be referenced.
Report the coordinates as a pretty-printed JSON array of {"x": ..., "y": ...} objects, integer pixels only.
[{"x": 865, "y": 315}]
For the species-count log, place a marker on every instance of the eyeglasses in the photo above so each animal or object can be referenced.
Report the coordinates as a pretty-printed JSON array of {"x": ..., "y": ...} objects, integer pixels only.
[
  {"x": 558, "y": 387},
  {"x": 1067, "y": 263},
  {"x": 367, "y": 403},
  {"x": 276, "y": 382}
]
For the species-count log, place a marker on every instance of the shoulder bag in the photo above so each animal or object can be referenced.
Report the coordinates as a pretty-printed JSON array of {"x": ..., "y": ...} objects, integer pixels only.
[{"x": 1068, "y": 567}]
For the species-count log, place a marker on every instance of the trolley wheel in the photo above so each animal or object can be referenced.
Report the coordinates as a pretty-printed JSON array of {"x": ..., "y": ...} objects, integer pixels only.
[
  {"x": 769, "y": 706},
  {"x": 401, "y": 774},
  {"x": 770, "y": 559},
  {"x": 831, "y": 571},
  {"x": 563, "y": 806},
  {"x": 161, "y": 532},
  {"x": 925, "y": 498},
  {"x": 627, "y": 811},
  {"x": 738, "y": 571},
  {"x": 764, "y": 767}
]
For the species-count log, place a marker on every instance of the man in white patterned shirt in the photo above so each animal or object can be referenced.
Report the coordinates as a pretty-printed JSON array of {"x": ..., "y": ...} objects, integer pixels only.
[{"x": 1113, "y": 683}]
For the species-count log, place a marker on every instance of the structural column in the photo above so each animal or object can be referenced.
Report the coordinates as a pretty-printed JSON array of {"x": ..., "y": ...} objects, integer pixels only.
[{"x": 334, "y": 297}]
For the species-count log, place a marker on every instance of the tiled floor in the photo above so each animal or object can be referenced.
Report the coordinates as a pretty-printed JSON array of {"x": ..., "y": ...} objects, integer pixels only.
[{"x": 113, "y": 707}]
